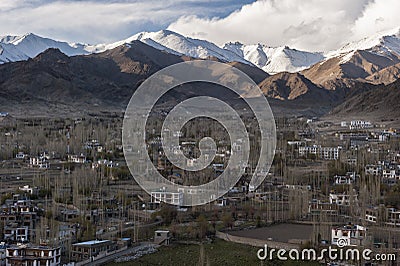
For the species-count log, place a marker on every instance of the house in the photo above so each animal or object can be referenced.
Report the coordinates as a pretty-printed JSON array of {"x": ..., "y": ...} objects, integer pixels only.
[
  {"x": 33, "y": 255},
  {"x": 393, "y": 217},
  {"x": 390, "y": 174},
  {"x": 349, "y": 235},
  {"x": 348, "y": 179},
  {"x": 91, "y": 249},
  {"x": 372, "y": 214},
  {"x": 372, "y": 169},
  {"x": 221, "y": 202},
  {"x": 14, "y": 233},
  {"x": 317, "y": 207},
  {"x": 175, "y": 198},
  {"x": 77, "y": 158},
  {"x": 162, "y": 237},
  {"x": 30, "y": 190},
  {"x": 40, "y": 162},
  {"x": 93, "y": 144},
  {"x": 342, "y": 199}
]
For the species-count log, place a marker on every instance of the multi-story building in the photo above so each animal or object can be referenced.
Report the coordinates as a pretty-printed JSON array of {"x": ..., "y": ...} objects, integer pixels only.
[
  {"x": 15, "y": 233},
  {"x": 349, "y": 235},
  {"x": 40, "y": 162},
  {"x": 347, "y": 179},
  {"x": 342, "y": 199},
  {"x": 317, "y": 207},
  {"x": 393, "y": 217},
  {"x": 33, "y": 255},
  {"x": 175, "y": 198},
  {"x": 372, "y": 169},
  {"x": 360, "y": 124},
  {"x": 325, "y": 153}
]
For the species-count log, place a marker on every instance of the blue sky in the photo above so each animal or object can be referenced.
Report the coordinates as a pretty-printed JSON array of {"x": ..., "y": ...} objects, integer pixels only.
[{"x": 313, "y": 25}]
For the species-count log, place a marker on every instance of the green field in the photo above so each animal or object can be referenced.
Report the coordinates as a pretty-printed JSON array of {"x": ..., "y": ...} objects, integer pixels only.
[{"x": 217, "y": 253}]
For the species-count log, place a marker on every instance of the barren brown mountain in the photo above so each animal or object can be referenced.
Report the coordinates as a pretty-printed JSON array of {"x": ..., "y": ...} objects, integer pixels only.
[
  {"x": 386, "y": 75},
  {"x": 380, "y": 103},
  {"x": 357, "y": 65}
]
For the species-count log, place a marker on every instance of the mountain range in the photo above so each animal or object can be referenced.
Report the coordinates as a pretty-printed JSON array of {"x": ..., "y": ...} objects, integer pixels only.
[{"x": 38, "y": 71}]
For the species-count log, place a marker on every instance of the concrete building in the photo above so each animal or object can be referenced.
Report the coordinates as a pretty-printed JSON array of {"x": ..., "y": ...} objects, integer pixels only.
[
  {"x": 349, "y": 235},
  {"x": 360, "y": 124},
  {"x": 32, "y": 255},
  {"x": 91, "y": 249},
  {"x": 372, "y": 169},
  {"x": 162, "y": 237},
  {"x": 342, "y": 199},
  {"x": 324, "y": 153},
  {"x": 40, "y": 162},
  {"x": 175, "y": 198}
]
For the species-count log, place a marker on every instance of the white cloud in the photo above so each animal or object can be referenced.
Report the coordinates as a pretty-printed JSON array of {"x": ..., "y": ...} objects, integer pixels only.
[
  {"x": 318, "y": 25},
  {"x": 98, "y": 21},
  {"x": 378, "y": 16}
]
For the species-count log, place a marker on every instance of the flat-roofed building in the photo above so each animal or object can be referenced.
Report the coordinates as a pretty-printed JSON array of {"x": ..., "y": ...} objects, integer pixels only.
[
  {"x": 33, "y": 255},
  {"x": 91, "y": 249},
  {"x": 175, "y": 198}
]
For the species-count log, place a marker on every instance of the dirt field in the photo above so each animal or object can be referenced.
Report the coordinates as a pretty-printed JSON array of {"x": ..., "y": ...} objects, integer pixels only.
[{"x": 279, "y": 233}]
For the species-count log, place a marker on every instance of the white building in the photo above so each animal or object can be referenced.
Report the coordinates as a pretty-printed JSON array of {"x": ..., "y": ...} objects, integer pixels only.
[
  {"x": 40, "y": 162},
  {"x": 360, "y": 124},
  {"x": 342, "y": 199},
  {"x": 347, "y": 179},
  {"x": 29, "y": 189},
  {"x": 77, "y": 158},
  {"x": 175, "y": 198},
  {"x": 325, "y": 153},
  {"x": 349, "y": 235},
  {"x": 390, "y": 174}
]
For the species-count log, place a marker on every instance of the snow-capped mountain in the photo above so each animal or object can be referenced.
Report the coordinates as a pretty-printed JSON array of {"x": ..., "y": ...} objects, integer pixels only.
[
  {"x": 270, "y": 59},
  {"x": 275, "y": 59},
  {"x": 384, "y": 44},
  {"x": 173, "y": 42},
  {"x": 9, "y": 53},
  {"x": 31, "y": 45}
]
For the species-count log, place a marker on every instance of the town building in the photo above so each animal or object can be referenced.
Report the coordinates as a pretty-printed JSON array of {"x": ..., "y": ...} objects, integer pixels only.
[
  {"x": 175, "y": 198},
  {"x": 349, "y": 235},
  {"x": 88, "y": 250},
  {"x": 342, "y": 199},
  {"x": 324, "y": 153},
  {"x": 32, "y": 255},
  {"x": 162, "y": 237}
]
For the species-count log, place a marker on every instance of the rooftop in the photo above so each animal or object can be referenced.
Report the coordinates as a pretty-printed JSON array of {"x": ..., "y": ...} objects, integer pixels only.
[{"x": 91, "y": 242}]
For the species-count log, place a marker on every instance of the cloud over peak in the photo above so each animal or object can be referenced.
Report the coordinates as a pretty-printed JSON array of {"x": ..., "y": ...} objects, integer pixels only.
[{"x": 313, "y": 25}]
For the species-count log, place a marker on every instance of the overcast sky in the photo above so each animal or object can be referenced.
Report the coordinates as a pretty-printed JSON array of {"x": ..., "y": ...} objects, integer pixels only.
[{"x": 314, "y": 25}]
